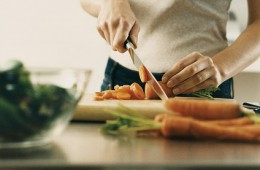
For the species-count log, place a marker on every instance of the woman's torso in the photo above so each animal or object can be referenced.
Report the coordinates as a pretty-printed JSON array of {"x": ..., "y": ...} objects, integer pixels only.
[{"x": 171, "y": 29}]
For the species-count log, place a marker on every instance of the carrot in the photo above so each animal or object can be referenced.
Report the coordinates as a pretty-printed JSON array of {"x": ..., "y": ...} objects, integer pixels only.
[
  {"x": 123, "y": 95},
  {"x": 99, "y": 93},
  {"x": 116, "y": 87},
  {"x": 240, "y": 121},
  {"x": 143, "y": 74},
  {"x": 255, "y": 129},
  {"x": 176, "y": 126},
  {"x": 150, "y": 93},
  {"x": 98, "y": 98},
  {"x": 172, "y": 126},
  {"x": 108, "y": 94},
  {"x": 206, "y": 109},
  {"x": 124, "y": 88},
  {"x": 125, "y": 92},
  {"x": 137, "y": 91}
]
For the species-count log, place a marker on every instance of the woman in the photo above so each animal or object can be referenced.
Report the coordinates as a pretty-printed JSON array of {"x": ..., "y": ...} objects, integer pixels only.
[{"x": 182, "y": 42}]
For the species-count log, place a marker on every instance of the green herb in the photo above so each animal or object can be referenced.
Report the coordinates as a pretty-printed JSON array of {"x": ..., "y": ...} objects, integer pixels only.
[
  {"x": 206, "y": 93},
  {"x": 128, "y": 120}
]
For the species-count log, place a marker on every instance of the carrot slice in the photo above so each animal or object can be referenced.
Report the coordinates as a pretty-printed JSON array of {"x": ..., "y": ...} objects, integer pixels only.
[
  {"x": 143, "y": 74},
  {"x": 137, "y": 91},
  {"x": 108, "y": 94},
  {"x": 116, "y": 87},
  {"x": 124, "y": 92},
  {"x": 99, "y": 93},
  {"x": 124, "y": 88},
  {"x": 123, "y": 96},
  {"x": 98, "y": 98}
]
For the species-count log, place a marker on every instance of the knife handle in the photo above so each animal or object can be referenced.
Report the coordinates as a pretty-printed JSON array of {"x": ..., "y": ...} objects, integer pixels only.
[{"x": 128, "y": 43}]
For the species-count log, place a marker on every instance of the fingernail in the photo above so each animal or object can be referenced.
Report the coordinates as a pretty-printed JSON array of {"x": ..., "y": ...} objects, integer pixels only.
[
  {"x": 176, "y": 91},
  {"x": 164, "y": 79},
  {"x": 170, "y": 83}
]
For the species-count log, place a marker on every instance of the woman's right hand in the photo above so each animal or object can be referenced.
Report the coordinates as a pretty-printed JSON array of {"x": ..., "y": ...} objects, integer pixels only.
[{"x": 116, "y": 21}]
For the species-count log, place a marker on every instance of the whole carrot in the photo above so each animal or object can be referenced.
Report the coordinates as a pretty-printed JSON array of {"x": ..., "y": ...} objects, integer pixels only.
[
  {"x": 206, "y": 109},
  {"x": 172, "y": 126},
  {"x": 175, "y": 126},
  {"x": 240, "y": 121}
]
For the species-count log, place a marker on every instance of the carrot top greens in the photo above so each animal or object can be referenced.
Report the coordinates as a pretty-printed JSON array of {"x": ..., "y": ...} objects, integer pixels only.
[
  {"x": 206, "y": 93},
  {"x": 128, "y": 120}
]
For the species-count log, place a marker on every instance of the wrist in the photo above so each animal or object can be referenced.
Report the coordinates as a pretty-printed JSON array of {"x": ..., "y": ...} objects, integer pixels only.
[{"x": 222, "y": 74}]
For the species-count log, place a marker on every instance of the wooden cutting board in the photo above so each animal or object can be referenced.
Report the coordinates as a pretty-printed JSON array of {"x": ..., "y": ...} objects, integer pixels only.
[{"x": 91, "y": 110}]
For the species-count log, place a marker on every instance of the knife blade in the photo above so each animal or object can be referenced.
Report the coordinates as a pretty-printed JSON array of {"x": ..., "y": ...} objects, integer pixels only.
[{"x": 151, "y": 79}]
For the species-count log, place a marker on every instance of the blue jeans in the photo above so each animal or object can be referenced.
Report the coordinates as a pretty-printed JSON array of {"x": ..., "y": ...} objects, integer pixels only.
[{"x": 116, "y": 74}]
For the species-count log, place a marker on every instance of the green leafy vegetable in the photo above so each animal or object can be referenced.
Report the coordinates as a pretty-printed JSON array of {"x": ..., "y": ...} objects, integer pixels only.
[
  {"x": 206, "y": 93},
  {"x": 27, "y": 109},
  {"x": 128, "y": 120}
]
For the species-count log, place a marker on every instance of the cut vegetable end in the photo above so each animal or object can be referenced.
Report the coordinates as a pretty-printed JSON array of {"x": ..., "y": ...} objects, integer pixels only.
[
  {"x": 137, "y": 91},
  {"x": 143, "y": 74}
]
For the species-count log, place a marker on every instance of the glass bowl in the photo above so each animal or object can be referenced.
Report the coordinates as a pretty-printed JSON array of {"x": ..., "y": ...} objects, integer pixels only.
[{"x": 36, "y": 104}]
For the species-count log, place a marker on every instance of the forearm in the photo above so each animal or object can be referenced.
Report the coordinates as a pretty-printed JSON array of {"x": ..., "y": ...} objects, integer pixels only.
[
  {"x": 92, "y": 6},
  {"x": 243, "y": 52}
]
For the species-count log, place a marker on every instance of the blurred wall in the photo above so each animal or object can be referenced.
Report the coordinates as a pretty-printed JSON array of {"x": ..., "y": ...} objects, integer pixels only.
[
  {"x": 58, "y": 33},
  {"x": 52, "y": 33}
]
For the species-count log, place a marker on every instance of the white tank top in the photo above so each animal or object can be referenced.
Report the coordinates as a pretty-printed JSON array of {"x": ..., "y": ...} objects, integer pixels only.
[{"x": 171, "y": 29}]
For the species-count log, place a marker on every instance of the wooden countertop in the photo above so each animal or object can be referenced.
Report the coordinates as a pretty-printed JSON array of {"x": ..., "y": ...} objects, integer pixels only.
[{"x": 82, "y": 146}]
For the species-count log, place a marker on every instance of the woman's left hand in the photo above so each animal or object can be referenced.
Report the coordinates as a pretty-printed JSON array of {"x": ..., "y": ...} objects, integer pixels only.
[{"x": 193, "y": 73}]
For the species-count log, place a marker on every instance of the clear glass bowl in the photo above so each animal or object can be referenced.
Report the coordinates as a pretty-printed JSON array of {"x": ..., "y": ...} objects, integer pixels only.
[{"x": 32, "y": 113}]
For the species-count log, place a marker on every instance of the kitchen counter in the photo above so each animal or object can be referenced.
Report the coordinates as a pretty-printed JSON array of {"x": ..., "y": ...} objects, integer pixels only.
[{"x": 82, "y": 146}]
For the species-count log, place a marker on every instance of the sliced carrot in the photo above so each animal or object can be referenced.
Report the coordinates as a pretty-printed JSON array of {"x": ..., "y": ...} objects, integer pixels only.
[
  {"x": 108, "y": 94},
  {"x": 99, "y": 93},
  {"x": 123, "y": 95},
  {"x": 98, "y": 98},
  {"x": 204, "y": 108},
  {"x": 150, "y": 93},
  {"x": 124, "y": 92},
  {"x": 116, "y": 87},
  {"x": 143, "y": 74},
  {"x": 124, "y": 88},
  {"x": 137, "y": 91}
]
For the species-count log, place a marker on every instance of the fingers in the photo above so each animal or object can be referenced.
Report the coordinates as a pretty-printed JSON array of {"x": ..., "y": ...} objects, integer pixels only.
[
  {"x": 180, "y": 65},
  {"x": 193, "y": 73},
  {"x": 104, "y": 31},
  {"x": 121, "y": 36},
  {"x": 116, "y": 22},
  {"x": 134, "y": 33},
  {"x": 203, "y": 85},
  {"x": 197, "y": 82}
]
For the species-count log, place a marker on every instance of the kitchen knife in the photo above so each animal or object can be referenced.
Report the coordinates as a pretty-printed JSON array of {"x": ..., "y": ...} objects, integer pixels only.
[{"x": 151, "y": 79}]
